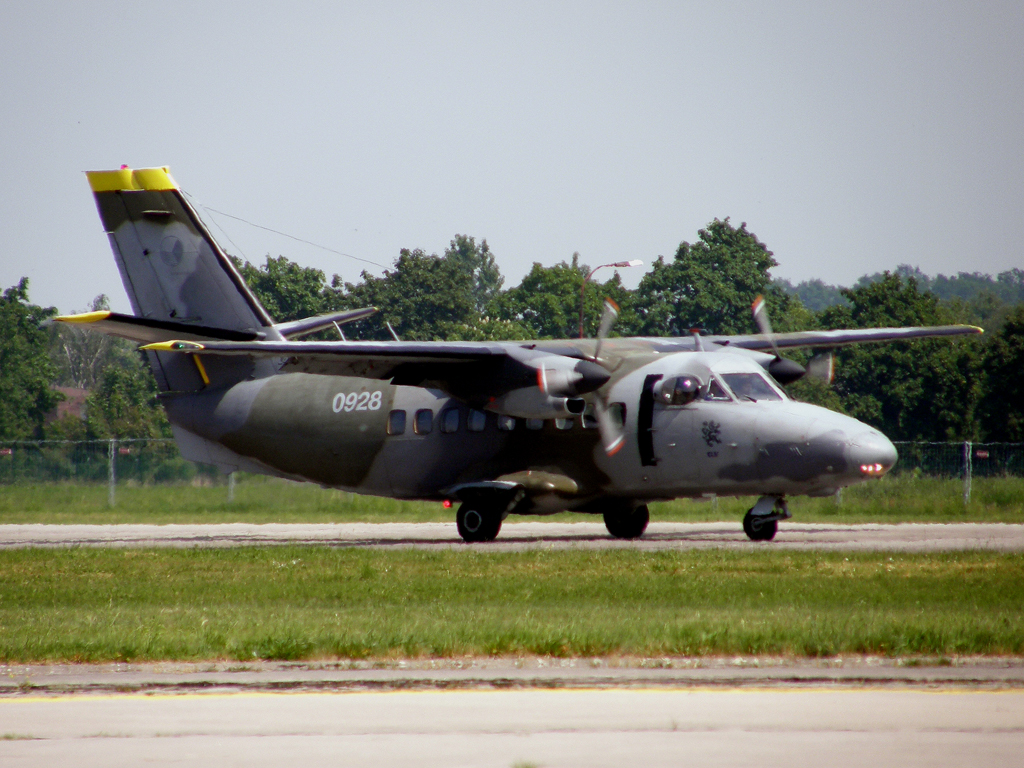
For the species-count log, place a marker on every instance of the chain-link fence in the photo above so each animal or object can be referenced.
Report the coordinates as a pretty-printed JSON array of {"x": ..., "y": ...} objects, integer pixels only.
[
  {"x": 156, "y": 461},
  {"x": 961, "y": 460},
  {"x": 144, "y": 461}
]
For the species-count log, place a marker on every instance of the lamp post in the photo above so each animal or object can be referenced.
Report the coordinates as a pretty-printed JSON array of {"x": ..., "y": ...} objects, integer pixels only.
[{"x": 617, "y": 264}]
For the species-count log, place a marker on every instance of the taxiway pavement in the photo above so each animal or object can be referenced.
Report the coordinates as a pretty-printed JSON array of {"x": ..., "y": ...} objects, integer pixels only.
[
  {"x": 527, "y": 535},
  {"x": 570, "y": 727}
]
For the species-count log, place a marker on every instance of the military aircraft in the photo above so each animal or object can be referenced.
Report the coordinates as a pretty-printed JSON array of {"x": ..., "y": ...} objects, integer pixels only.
[{"x": 601, "y": 426}]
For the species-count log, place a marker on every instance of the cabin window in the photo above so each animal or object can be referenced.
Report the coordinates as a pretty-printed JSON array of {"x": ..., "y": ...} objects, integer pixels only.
[
  {"x": 396, "y": 423},
  {"x": 750, "y": 386},
  {"x": 506, "y": 423},
  {"x": 716, "y": 391},
  {"x": 424, "y": 421},
  {"x": 563, "y": 424},
  {"x": 535, "y": 424},
  {"x": 450, "y": 420},
  {"x": 477, "y": 421}
]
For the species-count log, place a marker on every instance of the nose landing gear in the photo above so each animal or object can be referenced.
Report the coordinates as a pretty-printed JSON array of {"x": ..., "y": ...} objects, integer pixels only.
[
  {"x": 478, "y": 522},
  {"x": 761, "y": 522}
]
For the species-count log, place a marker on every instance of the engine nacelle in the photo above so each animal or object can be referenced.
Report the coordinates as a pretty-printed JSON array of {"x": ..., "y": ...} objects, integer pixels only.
[
  {"x": 532, "y": 403},
  {"x": 567, "y": 377}
]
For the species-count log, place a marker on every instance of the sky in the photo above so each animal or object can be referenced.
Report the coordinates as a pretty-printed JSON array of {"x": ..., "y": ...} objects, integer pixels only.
[{"x": 850, "y": 137}]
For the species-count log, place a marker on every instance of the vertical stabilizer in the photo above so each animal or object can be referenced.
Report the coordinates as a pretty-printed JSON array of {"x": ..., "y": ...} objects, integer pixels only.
[{"x": 173, "y": 269}]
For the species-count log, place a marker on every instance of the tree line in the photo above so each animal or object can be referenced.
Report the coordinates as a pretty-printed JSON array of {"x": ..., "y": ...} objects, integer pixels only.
[{"x": 966, "y": 389}]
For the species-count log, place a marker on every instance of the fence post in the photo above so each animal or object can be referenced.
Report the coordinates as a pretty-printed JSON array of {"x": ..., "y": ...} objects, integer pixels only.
[
  {"x": 231, "y": 486},
  {"x": 967, "y": 472},
  {"x": 111, "y": 471}
]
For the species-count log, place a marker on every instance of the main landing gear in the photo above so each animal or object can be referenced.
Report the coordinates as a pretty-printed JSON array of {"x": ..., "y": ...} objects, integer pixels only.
[
  {"x": 627, "y": 522},
  {"x": 761, "y": 522}
]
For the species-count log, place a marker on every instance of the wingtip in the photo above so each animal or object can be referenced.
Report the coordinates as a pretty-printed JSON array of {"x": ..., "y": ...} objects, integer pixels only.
[
  {"x": 84, "y": 317},
  {"x": 173, "y": 346}
]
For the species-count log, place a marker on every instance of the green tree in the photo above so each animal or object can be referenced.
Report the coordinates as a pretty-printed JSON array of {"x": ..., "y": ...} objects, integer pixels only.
[
  {"x": 711, "y": 285},
  {"x": 124, "y": 403},
  {"x": 286, "y": 290},
  {"x": 80, "y": 356},
  {"x": 25, "y": 368},
  {"x": 479, "y": 262},
  {"x": 547, "y": 302},
  {"x": 423, "y": 297},
  {"x": 918, "y": 390},
  {"x": 1002, "y": 409}
]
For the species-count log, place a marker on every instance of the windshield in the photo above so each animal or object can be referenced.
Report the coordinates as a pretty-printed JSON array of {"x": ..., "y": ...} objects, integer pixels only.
[
  {"x": 716, "y": 392},
  {"x": 750, "y": 386}
]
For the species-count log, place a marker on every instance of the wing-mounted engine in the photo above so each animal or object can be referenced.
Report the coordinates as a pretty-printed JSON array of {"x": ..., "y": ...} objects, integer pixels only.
[{"x": 556, "y": 392}]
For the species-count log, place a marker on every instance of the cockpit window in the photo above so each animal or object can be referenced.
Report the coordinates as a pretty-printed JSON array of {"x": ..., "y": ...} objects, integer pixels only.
[
  {"x": 715, "y": 391},
  {"x": 750, "y": 386}
]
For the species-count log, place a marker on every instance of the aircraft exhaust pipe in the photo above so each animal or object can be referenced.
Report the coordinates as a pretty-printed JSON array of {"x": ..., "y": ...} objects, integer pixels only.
[{"x": 531, "y": 403}]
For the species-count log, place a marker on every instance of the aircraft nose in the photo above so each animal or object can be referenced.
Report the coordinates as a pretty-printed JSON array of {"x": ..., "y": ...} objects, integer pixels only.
[{"x": 871, "y": 454}]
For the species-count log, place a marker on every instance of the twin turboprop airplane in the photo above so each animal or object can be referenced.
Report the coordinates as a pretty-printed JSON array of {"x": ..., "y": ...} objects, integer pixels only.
[{"x": 601, "y": 426}]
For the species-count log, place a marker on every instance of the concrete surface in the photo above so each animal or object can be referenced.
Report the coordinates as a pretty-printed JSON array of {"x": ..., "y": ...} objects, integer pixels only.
[
  {"x": 518, "y": 728},
  {"x": 527, "y": 535}
]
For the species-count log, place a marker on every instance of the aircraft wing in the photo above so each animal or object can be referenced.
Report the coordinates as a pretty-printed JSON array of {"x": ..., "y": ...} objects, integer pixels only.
[
  {"x": 841, "y": 338},
  {"x": 406, "y": 362}
]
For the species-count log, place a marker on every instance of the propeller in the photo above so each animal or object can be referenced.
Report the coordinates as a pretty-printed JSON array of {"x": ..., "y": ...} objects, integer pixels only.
[
  {"x": 609, "y": 422},
  {"x": 764, "y": 324},
  {"x": 783, "y": 370},
  {"x": 822, "y": 367}
]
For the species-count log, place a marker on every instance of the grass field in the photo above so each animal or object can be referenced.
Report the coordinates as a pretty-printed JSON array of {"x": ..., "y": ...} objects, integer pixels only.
[
  {"x": 318, "y": 602},
  {"x": 902, "y": 498}
]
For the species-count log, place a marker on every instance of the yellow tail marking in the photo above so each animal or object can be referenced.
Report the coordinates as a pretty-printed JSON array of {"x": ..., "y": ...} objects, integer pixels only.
[
  {"x": 202, "y": 370},
  {"x": 125, "y": 179}
]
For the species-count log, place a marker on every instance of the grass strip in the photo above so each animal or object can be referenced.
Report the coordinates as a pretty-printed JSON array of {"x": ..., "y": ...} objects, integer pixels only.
[
  {"x": 899, "y": 499},
  {"x": 318, "y": 603}
]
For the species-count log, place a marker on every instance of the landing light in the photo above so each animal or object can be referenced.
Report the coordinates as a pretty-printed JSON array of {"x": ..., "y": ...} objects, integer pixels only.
[{"x": 872, "y": 469}]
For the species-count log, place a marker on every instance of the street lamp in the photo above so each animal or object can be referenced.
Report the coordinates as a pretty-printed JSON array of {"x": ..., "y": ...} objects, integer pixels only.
[{"x": 617, "y": 264}]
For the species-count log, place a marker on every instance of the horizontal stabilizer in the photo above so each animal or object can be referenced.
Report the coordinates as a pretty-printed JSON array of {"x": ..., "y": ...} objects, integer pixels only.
[
  {"x": 146, "y": 330},
  {"x": 296, "y": 328}
]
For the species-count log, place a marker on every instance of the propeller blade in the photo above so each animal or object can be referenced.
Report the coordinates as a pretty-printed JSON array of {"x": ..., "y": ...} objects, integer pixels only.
[
  {"x": 823, "y": 367},
  {"x": 609, "y": 424},
  {"x": 611, "y": 312},
  {"x": 760, "y": 310}
]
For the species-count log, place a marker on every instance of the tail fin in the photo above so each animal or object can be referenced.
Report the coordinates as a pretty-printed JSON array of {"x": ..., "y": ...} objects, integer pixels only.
[{"x": 172, "y": 268}]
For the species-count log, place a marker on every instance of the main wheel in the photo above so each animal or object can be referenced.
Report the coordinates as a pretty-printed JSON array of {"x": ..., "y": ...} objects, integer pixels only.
[
  {"x": 476, "y": 523},
  {"x": 759, "y": 530},
  {"x": 627, "y": 523}
]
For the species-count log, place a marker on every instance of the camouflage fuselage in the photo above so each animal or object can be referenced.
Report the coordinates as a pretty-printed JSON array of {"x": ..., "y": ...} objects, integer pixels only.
[{"x": 334, "y": 431}]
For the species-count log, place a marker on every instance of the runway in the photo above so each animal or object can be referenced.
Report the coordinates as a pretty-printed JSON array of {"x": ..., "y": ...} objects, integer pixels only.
[
  {"x": 592, "y": 728},
  {"x": 516, "y": 536}
]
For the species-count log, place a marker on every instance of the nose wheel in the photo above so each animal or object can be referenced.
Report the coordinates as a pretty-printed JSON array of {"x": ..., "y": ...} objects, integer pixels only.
[
  {"x": 478, "y": 522},
  {"x": 761, "y": 522}
]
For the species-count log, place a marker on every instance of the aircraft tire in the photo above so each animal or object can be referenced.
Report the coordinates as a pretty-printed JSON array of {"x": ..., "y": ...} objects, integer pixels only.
[
  {"x": 627, "y": 523},
  {"x": 764, "y": 532},
  {"x": 476, "y": 523}
]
